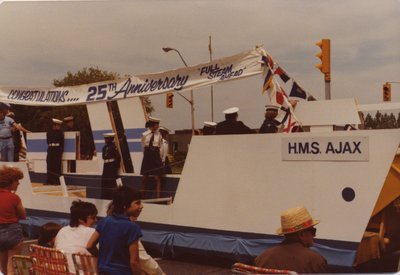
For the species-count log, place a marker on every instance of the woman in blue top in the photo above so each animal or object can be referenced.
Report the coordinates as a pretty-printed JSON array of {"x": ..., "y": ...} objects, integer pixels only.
[{"x": 118, "y": 237}]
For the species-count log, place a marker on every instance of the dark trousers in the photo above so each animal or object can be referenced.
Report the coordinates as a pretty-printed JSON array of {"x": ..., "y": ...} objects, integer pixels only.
[
  {"x": 108, "y": 183},
  {"x": 53, "y": 161}
]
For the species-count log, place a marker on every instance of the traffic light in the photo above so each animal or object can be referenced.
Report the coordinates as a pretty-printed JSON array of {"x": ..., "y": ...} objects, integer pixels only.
[
  {"x": 170, "y": 100},
  {"x": 387, "y": 92},
  {"x": 324, "y": 55}
]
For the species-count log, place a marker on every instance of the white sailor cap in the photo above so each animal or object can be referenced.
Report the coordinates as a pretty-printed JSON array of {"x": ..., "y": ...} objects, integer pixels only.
[
  {"x": 271, "y": 107},
  {"x": 231, "y": 110},
  {"x": 109, "y": 135},
  {"x": 56, "y": 121},
  {"x": 210, "y": 124},
  {"x": 154, "y": 119},
  {"x": 68, "y": 118},
  {"x": 165, "y": 129}
]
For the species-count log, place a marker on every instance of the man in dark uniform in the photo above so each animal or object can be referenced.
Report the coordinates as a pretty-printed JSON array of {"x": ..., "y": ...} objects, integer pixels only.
[
  {"x": 55, "y": 143},
  {"x": 231, "y": 126},
  {"x": 111, "y": 164},
  {"x": 294, "y": 252},
  {"x": 270, "y": 124},
  {"x": 69, "y": 124},
  {"x": 209, "y": 128}
]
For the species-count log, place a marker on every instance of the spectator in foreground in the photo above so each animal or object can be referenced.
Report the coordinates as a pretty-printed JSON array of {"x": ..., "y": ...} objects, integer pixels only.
[
  {"x": 74, "y": 237},
  {"x": 11, "y": 211},
  {"x": 294, "y": 252},
  {"x": 118, "y": 237},
  {"x": 48, "y": 233}
]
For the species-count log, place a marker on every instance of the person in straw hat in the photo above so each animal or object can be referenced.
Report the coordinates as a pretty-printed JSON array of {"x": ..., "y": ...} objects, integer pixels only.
[{"x": 294, "y": 252}]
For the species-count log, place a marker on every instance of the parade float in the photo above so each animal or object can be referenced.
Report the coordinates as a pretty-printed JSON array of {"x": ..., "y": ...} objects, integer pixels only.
[{"x": 228, "y": 202}]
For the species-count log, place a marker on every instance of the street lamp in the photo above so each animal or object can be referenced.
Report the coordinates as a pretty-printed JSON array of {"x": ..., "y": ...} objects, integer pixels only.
[{"x": 191, "y": 101}]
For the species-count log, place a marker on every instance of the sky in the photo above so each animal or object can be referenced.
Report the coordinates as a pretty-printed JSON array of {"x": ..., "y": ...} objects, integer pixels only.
[{"x": 43, "y": 40}]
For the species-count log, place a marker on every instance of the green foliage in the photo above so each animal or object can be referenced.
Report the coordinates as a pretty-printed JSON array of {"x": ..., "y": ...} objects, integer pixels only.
[
  {"x": 382, "y": 121},
  {"x": 85, "y": 76}
]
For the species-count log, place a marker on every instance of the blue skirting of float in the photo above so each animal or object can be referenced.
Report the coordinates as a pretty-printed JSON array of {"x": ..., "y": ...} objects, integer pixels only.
[{"x": 174, "y": 241}]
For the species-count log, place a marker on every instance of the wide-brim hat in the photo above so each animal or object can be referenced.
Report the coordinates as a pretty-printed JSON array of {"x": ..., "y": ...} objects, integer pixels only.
[
  {"x": 56, "y": 121},
  {"x": 109, "y": 135},
  {"x": 294, "y": 220},
  {"x": 231, "y": 110},
  {"x": 210, "y": 124}
]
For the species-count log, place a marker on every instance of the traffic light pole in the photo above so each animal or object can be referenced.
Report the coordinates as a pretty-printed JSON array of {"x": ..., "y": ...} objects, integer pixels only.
[{"x": 327, "y": 86}]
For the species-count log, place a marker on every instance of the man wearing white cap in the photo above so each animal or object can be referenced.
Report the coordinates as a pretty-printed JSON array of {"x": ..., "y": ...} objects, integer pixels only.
[
  {"x": 112, "y": 160},
  {"x": 209, "y": 128},
  {"x": 152, "y": 164},
  {"x": 55, "y": 143},
  {"x": 294, "y": 253},
  {"x": 231, "y": 126}
]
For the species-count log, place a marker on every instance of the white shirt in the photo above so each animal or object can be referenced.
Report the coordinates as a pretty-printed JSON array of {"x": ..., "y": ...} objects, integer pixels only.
[
  {"x": 164, "y": 150},
  {"x": 146, "y": 136},
  {"x": 73, "y": 240}
]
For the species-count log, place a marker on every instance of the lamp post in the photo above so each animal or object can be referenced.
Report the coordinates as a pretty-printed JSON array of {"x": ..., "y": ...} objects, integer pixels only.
[{"x": 191, "y": 101}]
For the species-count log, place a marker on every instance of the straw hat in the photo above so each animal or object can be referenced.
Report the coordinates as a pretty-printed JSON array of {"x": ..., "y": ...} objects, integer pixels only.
[{"x": 294, "y": 220}]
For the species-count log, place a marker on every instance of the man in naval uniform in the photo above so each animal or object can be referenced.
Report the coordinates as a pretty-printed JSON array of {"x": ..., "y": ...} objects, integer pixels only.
[
  {"x": 152, "y": 165},
  {"x": 209, "y": 128},
  {"x": 55, "y": 143},
  {"x": 270, "y": 124},
  {"x": 112, "y": 159},
  {"x": 231, "y": 126}
]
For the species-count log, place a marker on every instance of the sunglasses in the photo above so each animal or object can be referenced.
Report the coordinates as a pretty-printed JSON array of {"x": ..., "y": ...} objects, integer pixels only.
[{"x": 313, "y": 230}]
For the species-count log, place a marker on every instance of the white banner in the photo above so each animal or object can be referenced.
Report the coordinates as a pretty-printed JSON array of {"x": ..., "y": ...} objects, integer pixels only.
[
  {"x": 326, "y": 148},
  {"x": 230, "y": 68}
]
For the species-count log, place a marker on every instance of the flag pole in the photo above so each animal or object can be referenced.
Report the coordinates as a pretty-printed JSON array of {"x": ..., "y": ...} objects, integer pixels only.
[{"x": 212, "y": 87}]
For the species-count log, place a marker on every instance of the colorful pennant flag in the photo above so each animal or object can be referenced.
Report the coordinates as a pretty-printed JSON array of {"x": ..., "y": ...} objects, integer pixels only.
[
  {"x": 282, "y": 74},
  {"x": 268, "y": 80},
  {"x": 297, "y": 91}
]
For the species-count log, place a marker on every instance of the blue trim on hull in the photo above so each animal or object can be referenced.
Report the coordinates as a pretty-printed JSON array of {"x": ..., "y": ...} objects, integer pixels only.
[{"x": 173, "y": 240}]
